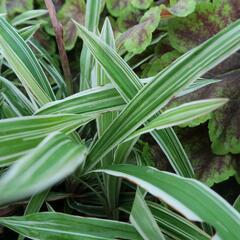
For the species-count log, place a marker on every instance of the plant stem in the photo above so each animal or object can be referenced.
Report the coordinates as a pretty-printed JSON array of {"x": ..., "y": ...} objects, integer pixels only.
[{"x": 58, "y": 29}]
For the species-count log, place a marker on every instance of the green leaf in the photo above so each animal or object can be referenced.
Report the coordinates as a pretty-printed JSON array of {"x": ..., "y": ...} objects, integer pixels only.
[
  {"x": 142, "y": 4},
  {"x": 69, "y": 227},
  {"x": 119, "y": 71},
  {"x": 151, "y": 98},
  {"x": 156, "y": 65},
  {"x": 93, "y": 11},
  {"x": 55, "y": 158},
  {"x": 72, "y": 9},
  {"x": 128, "y": 19},
  {"x": 15, "y": 98},
  {"x": 95, "y": 100},
  {"x": 174, "y": 225},
  {"x": 139, "y": 37},
  {"x": 171, "y": 223},
  {"x": 183, "y": 8},
  {"x": 116, "y": 8},
  {"x": 28, "y": 15},
  {"x": 181, "y": 114},
  {"x": 101, "y": 99},
  {"x": 24, "y": 63},
  {"x": 24, "y": 133},
  {"x": 143, "y": 220},
  {"x": 223, "y": 125},
  {"x": 237, "y": 204},
  {"x": 208, "y": 19},
  {"x": 35, "y": 204},
  {"x": 187, "y": 196},
  {"x": 28, "y": 32}
]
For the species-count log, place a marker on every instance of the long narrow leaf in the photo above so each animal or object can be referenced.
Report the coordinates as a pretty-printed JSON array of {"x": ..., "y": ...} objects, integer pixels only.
[
  {"x": 93, "y": 10},
  {"x": 152, "y": 97},
  {"x": 24, "y": 63},
  {"x": 19, "y": 135},
  {"x": 128, "y": 84},
  {"x": 55, "y": 158},
  {"x": 191, "y": 198},
  {"x": 25, "y": 16},
  {"x": 15, "y": 98},
  {"x": 181, "y": 114},
  {"x": 50, "y": 225},
  {"x": 99, "y": 99},
  {"x": 143, "y": 220}
]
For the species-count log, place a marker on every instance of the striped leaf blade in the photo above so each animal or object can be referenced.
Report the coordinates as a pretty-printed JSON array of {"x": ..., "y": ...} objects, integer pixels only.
[
  {"x": 143, "y": 220},
  {"x": 95, "y": 100},
  {"x": 24, "y": 63},
  {"x": 51, "y": 161},
  {"x": 190, "y": 197},
  {"x": 171, "y": 223},
  {"x": 52, "y": 225},
  {"x": 28, "y": 15},
  {"x": 24, "y": 133},
  {"x": 15, "y": 98},
  {"x": 152, "y": 97},
  {"x": 104, "y": 98},
  {"x": 180, "y": 115},
  {"x": 92, "y": 16},
  {"x": 128, "y": 84}
]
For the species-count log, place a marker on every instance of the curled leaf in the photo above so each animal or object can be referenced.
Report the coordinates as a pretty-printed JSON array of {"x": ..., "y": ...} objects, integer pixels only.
[
  {"x": 142, "y": 4},
  {"x": 137, "y": 38},
  {"x": 117, "y": 8},
  {"x": 183, "y": 8}
]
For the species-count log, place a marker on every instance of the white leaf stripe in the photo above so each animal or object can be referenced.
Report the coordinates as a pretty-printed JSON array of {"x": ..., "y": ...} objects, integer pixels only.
[
  {"x": 93, "y": 100},
  {"x": 179, "y": 115},
  {"x": 24, "y": 63},
  {"x": 24, "y": 133},
  {"x": 69, "y": 227},
  {"x": 128, "y": 85},
  {"x": 153, "y": 96},
  {"x": 55, "y": 158},
  {"x": 190, "y": 197}
]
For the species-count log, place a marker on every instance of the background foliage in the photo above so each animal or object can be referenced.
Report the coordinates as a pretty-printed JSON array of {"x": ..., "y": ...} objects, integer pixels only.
[{"x": 149, "y": 36}]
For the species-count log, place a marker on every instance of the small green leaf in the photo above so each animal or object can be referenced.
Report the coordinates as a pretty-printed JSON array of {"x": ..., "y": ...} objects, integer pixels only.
[
  {"x": 137, "y": 38},
  {"x": 158, "y": 64},
  {"x": 141, "y": 4},
  {"x": 183, "y": 8},
  {"x": 116, "y": 7},
  {"x": 72, "y": 9}
]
